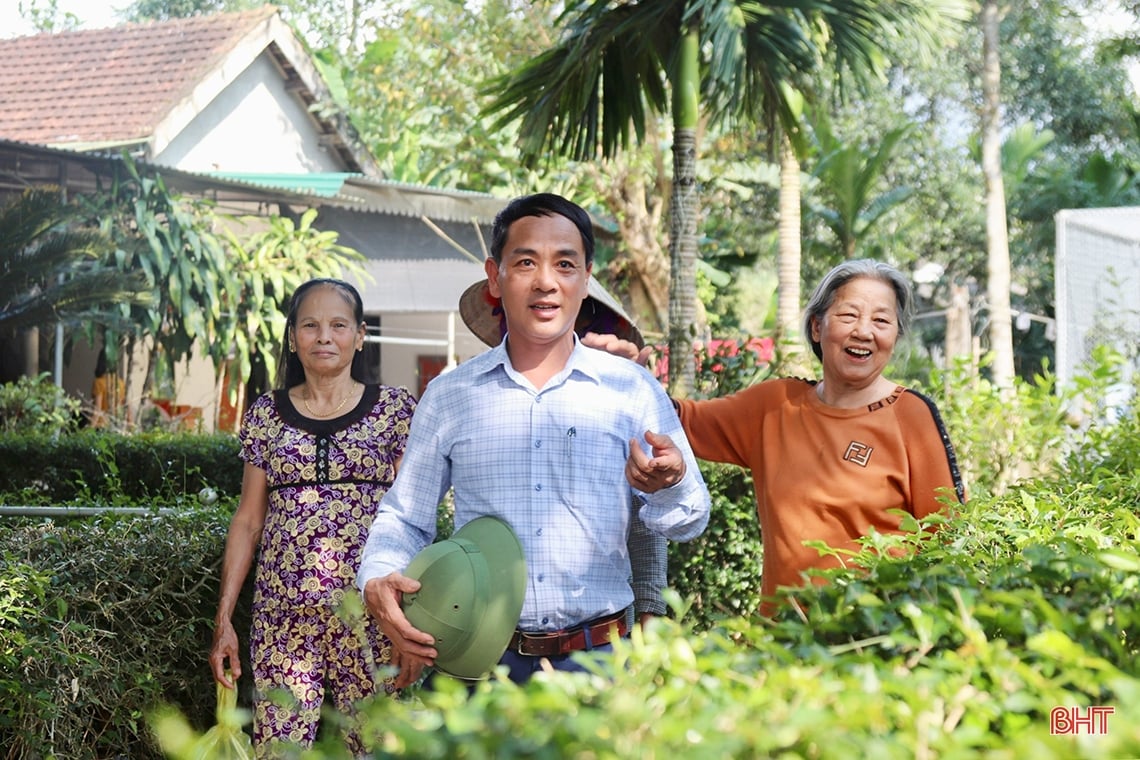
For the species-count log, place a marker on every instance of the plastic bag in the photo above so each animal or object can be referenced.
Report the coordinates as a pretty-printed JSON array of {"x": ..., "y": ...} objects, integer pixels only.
[{"x": 226, "y": 740}]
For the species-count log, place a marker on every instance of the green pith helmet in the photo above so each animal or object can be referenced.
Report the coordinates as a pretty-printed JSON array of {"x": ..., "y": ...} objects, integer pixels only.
[{"x": 471, "y": 595}]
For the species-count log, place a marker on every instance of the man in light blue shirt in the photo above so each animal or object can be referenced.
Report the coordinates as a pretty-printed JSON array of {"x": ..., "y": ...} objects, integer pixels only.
[{"x": 537, "y": 432}]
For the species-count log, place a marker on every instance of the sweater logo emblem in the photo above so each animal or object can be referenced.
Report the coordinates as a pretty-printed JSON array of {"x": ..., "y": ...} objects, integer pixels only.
[{"x": 859, "y": 453}]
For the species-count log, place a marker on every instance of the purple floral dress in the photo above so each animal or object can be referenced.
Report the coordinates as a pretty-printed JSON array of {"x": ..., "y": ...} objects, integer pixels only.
[{"x": 325, "y": 480}]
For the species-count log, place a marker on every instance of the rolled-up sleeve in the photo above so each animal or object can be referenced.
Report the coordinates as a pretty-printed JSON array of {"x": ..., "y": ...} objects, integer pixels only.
[
  {"x": 680, "y": 512},
  {"x": 405, "y": 521}
]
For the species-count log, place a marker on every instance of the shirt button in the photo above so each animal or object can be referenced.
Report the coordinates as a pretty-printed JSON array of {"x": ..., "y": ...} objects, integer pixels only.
[
  {"x": 538, "y": 444},
  {"x": 538, "y": 532},
  {"x": 538, "y": 487},
  {"x": 545, "y": 621},
  {"x": 541, "y": 578}
]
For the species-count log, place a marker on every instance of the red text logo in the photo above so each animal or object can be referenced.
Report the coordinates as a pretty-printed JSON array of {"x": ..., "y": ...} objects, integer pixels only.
[{"x": 1078, "y": 720}]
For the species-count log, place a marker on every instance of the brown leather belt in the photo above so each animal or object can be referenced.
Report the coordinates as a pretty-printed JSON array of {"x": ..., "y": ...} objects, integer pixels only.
[{"x": 594, "y": 633}]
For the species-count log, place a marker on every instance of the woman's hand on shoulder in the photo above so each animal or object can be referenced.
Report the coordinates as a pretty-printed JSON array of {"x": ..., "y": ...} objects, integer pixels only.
[{"x": 617, "y": 346}]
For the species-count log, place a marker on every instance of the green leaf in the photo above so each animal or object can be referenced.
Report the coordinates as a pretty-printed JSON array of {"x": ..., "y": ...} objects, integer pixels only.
[{"x": 1117, "y": 559}]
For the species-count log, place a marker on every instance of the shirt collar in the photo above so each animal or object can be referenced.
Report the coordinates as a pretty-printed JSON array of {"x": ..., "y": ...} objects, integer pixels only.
[{"x": 583, "y": 360}]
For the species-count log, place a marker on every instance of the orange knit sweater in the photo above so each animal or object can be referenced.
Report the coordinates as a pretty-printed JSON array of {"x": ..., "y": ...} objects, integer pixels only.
[{"x": 823, "y": 473}]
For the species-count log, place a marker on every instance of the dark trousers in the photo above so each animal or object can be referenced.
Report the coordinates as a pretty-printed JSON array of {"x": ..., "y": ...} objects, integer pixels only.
[{"x": 522, "y": 666}]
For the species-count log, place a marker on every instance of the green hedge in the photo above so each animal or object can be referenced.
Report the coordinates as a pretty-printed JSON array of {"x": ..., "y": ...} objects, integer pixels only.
[
  {"x": 104, "y": 468},
  {"x": 719, "y": 572},
  {"x": 103, "y": 619},
  {"x": 1025, "y": 601},
  {"x": 1018, "y": 605}
]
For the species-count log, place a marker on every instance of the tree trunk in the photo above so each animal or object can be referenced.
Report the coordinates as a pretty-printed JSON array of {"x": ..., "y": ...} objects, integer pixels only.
[
  {"x": 959, "y": 331},
  {"x": 684, "y": 209},
  {"x": 997, "y": 233},
  {"x": 31, "y": 341},
  {"x": 644, "y": 263},
  {"x": 789, "y": 258}
]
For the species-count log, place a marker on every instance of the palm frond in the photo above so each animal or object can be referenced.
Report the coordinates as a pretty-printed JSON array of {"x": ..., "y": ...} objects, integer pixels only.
[
  {"x": 53, "y": 273},
  {"x": 596, "y": 87},
  {"x": 594, "y": 90}
]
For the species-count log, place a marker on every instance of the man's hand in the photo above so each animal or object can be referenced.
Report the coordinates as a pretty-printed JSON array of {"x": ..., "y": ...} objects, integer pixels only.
[
  {"x": 412, "y": 648},
  {"x": 617, "y": 346},
  {"x": 664, "y": 469}
]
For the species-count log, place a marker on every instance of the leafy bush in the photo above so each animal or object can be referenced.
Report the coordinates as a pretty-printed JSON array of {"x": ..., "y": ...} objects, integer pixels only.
[
  {"x": 1020, "y": 605},
  {"x": 676, "y": 694},
  {"x": 102, "y": 620},
  {"x": 1004, "y": 437},
  {"x": 719, "y": 572},
  {"x": 956, "y": 644},
  {"x": 36, "y": 406},
  {"x": 105, "y": 467},
  {"x": 23, "y": 593}
]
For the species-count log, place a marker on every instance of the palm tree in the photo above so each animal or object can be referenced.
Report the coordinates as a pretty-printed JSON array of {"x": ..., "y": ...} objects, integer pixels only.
[
  {"x": 619, "y": 62},
  {"x": 53, "y": 273},
  {"x": 849, "y": 177},
  {"x": 997, "y": 232},
  {"x": 789, "y": 258}
]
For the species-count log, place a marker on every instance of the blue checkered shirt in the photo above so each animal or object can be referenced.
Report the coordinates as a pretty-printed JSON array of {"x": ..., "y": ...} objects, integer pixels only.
[{"x": 551, "y": 463}]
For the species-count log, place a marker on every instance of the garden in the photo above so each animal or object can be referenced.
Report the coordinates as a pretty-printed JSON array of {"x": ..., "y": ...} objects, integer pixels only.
[
  {"x": 1009, "y": 632},
  {"x": 1005, "y": 628}
]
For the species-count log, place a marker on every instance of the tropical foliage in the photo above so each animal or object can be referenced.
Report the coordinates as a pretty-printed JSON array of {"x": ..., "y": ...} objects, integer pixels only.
[
  {"x": 217, "y": 286},
  {"x": 412, "y": 83},
  {"x": 594, "y": 92},
  {"x": 36, "y": 406},
  {"x": 170, "y": 241},
  {"x": 268, "y": 266},
  {"x": 54, "y": 271}
]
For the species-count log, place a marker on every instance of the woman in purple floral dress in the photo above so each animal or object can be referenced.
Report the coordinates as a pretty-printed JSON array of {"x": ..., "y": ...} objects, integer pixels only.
[{"x": 319, "y": 454}]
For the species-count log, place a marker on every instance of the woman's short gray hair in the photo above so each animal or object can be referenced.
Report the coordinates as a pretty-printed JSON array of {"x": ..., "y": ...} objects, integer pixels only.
[{"x": 824, "y": 295}]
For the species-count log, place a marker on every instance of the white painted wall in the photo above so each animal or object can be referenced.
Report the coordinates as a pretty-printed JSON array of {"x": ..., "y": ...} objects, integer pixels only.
[
  {"x": 254, "y": 125},
  {"x": 399, "y": 362}
]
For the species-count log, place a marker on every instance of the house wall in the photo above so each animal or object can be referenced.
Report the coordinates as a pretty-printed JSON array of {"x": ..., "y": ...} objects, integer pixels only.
[
  {"x": 192, "y": 399},
  {"x": 254, "y": 125},
  {"x": 400, "y": 363}
]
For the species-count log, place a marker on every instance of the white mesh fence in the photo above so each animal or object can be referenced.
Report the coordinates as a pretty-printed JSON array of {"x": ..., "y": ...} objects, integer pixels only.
[{"x": 1097, "y": 279}]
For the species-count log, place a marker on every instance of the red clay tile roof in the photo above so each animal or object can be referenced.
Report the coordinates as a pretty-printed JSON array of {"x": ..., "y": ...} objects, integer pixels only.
[{"x": 110, "y": 85}]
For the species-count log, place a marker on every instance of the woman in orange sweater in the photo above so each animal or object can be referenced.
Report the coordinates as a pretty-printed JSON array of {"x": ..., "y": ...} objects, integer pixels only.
[{"x": 830, "y": 459}]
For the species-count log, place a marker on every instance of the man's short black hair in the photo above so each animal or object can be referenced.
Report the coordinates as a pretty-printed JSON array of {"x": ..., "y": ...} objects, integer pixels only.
[{"x": 541, "y": 204}]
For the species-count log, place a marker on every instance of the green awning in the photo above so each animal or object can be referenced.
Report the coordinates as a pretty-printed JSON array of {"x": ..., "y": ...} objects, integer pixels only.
[{"x": 324, "y": 185}]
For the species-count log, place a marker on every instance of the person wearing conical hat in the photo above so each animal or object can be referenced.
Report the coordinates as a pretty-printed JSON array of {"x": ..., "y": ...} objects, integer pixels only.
[{"x": 536, "y": 433}]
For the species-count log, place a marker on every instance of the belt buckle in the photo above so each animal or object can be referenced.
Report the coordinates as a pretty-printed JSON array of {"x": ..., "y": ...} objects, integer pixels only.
[
  {"x": 607, "y": 630},
  {"x": 527, "y": 638}
]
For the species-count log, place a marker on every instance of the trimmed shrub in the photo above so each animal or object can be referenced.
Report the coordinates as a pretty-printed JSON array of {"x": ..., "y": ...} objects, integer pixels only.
[
  {"x": 718, "y": 573},
  {"x": 35, "y": 405},
  {"x": 103, "y": 619},
  {"x": 1019, "y": 607},
  {"x": 960, "y": 643},
  {"x": 105, "y": 467}
]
